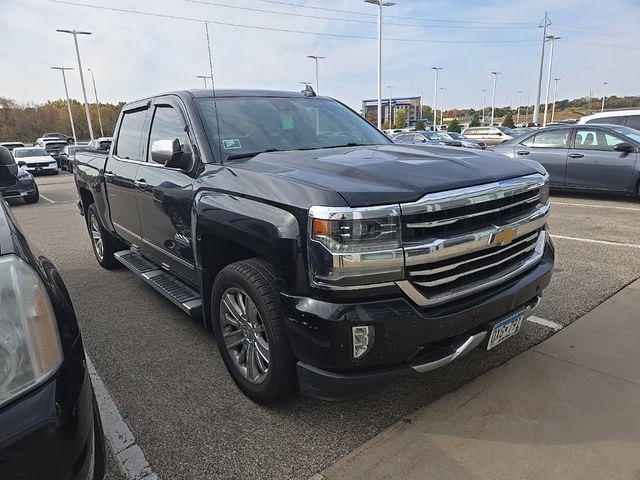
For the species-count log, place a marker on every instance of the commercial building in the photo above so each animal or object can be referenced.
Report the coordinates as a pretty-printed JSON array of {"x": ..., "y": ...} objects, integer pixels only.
[{"x": 411, "y": 105}]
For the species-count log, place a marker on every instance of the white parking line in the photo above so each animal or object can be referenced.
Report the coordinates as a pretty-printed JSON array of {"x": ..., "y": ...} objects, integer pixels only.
[
  {"x": 46, "y": 198},
  {"x": 544, "y": 322},
  {"x": 589, "y": 240},
  {"x": 128, "y": 454},
  {"x": 596, "y": 206}
]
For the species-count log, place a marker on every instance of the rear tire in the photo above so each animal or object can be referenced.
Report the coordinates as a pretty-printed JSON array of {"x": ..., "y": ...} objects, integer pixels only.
[
  {"x": 102, "y": 242},
  {"x": 249, "y": 327}
]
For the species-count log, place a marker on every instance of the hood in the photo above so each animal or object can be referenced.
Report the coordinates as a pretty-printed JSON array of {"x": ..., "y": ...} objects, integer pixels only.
[
  {"x": 377, "y": 175},
  {"x": 38, "y": 159}
]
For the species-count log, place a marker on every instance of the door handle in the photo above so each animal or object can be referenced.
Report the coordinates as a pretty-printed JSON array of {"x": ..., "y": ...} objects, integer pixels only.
[
  {"x": 140, "y": 184},
  {"x": 576, "y": 155},
  {"x": 522, "y": 152},
  {"x": 109, "y": 175}
]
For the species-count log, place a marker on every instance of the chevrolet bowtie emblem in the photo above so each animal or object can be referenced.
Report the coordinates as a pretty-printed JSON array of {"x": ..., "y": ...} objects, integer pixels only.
[{"x": 505, "y": 235}]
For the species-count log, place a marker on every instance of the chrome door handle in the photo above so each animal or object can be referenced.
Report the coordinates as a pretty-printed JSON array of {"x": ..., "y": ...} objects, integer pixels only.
[
  {"x": 140, "y": 184},
  {"x": 576, "y": 155},
  {"x": 109, "y": 175},
  {"x": 522, "y": 152}
]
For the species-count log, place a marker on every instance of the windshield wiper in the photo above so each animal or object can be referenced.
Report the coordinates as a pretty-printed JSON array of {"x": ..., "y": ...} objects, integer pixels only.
[
  {"x": 350, "y": 144},
  {"x": 250, "y": 154}
]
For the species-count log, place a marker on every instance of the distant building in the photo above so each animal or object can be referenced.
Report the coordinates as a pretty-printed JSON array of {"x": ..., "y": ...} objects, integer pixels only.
[{"x": 410, "y": 104}]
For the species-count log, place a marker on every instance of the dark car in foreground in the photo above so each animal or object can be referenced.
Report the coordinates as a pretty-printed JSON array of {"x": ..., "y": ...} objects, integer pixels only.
[
  {"x": 49, "y": 423},
  {"x": 583, "y": 157},
  {"x": 321, "y": 254}
]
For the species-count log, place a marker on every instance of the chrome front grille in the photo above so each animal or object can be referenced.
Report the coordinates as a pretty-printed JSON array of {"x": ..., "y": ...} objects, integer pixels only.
[{"x": 460, "y": 242}]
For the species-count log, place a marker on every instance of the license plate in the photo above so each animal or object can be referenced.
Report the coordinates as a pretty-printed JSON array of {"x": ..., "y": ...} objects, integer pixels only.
[{"x": 505, "y": 329}]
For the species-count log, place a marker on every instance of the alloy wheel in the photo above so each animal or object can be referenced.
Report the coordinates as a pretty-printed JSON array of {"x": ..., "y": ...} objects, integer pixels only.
[{"x": 96, "y": 238}]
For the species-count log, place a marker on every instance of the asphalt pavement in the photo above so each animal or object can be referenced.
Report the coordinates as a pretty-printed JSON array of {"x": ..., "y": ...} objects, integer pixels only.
[{"x": 164, "y": 374}]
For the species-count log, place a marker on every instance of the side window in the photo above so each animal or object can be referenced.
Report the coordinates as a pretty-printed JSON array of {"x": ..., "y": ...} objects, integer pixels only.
[
  {"x": 633, "y": 121},
  {"x": 611, "y": 141},
  {"x": 549, "y": 139},
  {"x": 130, "y": 134},
  {"x": 592, "y": 139},
  {"x": 613, "y": 120},
  {"x": 167, "y": 125}
]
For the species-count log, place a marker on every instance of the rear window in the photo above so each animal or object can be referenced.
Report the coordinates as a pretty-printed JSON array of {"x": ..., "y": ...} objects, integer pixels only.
[
  {"x": 130, "y": 135},
  {"x": 633, "y": 121},
  {"x": 612, "y": 120},
  {"x": 54, "y": 146}
]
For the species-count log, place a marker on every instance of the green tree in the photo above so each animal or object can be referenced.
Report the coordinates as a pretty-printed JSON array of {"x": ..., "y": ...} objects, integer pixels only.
[
  {"x": 454, "y": 126},
  {"x": 427, "y": 111},
  {"x": 474, "y": 122},
  {"x": 508, "y": 121},
  {"x": 420, "y": 125},
  {"x": 400, "y": 120}
]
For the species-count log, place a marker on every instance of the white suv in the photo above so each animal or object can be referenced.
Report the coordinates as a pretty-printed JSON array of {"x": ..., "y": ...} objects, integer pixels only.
[{"x": 629, "y": 118}]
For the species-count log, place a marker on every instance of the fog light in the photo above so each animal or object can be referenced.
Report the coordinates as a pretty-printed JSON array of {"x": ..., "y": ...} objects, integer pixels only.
[{"x": 362, "y": 339}]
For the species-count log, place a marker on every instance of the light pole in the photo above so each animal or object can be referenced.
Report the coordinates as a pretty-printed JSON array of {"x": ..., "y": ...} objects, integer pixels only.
[
  {"x": 493, "y": 99},
  {"x": 536, "y": 107},
  {"x": 316, "y": 58},
  {"x": 484, "y": 104},
  {"x": 93, "y": 79},
  {"x": 552, "y": 39},
  {"x": 442, "y": 89},
  {"x": 604, "y": 94},
  {"x": 390, "y": 108},
  {"x": 380, "y": 4},
  {"x": 435, "y": 97},
  {"x": 520, "y": 92},
  {"x": 555, "y": 97},
  {"x": 526, "y": 118},
  {"x": 66, "y": 92},
  {"x": 75, "y": 34}
]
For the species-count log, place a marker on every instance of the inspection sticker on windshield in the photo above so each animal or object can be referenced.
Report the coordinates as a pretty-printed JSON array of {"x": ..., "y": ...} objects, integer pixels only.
[
  {"x": 505, "y": 329},
  {"x": 231, "y": 143}
]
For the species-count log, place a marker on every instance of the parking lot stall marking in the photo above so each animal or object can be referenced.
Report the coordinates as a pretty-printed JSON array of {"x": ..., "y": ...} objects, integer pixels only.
[
  {"x": 129, "y": 456},
  {"x": 46, "y": 198},
  {"x": 590, "y": 240},
  {"x": 633, "y": 209},
  {"x": 545, "y": 323}
]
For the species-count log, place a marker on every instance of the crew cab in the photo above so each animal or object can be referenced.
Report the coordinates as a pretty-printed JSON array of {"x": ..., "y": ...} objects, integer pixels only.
[{"x": 323, "y": 256}]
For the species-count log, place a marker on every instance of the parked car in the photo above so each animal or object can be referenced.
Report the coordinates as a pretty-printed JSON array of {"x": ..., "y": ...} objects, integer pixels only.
[
  {"x": 54, "y": 136},
  {"x": 102, "y": 144},
  {"x": 36, "y": 160},
  {"x": 466, "y": 142},
  {"x": 628, "y": 118},
  {"x": 589, "y": 157},
  {"x": 425, "y": 137},
  {"x": 49, "y": 423},
  {"x": 68, "y": 153},
  {"x": 12, "y": 145},
  {"x": 321, "y": 254},
  {"x": 24, "y": 187},
  {"x": 54, "y": 147},
  {"x": 490, "y": 135}
]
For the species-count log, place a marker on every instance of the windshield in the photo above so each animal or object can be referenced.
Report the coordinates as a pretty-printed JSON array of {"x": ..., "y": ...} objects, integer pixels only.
[
  {"x": 508, "y": 131},
  {"x": 30, "y": 152},
  {"x": 628, "y": 132},
  {"x": 251, "y": 125},
  {"x": 455, "y": 135}
]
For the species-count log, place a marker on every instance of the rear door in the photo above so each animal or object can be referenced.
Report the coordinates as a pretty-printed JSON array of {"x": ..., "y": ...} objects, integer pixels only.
[
  {"x": 593, "y": 163},
  {"x": 120, "y": 175},
  {"x": 550, "y": 148},
  {"x": 165, "y": 195}
]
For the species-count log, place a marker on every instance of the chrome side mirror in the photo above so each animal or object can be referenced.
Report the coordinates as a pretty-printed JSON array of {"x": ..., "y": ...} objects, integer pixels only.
[{"x": 170, "y": 154}]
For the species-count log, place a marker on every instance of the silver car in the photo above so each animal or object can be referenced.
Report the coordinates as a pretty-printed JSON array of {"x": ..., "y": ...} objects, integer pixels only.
[{"x": 586, "y": 157}]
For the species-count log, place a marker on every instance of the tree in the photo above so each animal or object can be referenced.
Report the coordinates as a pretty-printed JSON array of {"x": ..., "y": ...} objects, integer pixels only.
[
  {"x": 454, "y": 126},
  {"x": 508, "y": 121},
  {"x": 474, "y": 122},
  {"x": 420, "y": 125},
  {"x": 427, "y": 111},
  {"x": 400, "y": 120}
]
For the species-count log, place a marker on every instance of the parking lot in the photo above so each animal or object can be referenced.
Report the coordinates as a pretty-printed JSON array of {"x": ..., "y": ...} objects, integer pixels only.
[{"x": 169, "y": 384}]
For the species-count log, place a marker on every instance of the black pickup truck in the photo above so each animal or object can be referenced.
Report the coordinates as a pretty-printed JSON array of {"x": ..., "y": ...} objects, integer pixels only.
[{"x": 322, "y": 256}]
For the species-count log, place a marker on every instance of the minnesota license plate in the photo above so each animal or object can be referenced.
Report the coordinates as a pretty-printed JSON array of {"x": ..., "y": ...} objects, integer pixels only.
[{"x": 505, "y": 329}]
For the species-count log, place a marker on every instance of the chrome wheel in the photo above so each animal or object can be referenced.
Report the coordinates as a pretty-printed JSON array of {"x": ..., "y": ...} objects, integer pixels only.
[
  {"x": 96, "y": 238},
  {"x": 244, "y": 335}
]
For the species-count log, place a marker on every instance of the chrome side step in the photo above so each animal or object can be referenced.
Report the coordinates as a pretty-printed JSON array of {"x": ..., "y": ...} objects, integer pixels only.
[{"x": 183, "y": 296}]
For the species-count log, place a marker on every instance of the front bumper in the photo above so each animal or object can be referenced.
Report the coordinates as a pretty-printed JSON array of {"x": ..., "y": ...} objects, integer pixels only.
[
  {"x": 53, "y": 167},
  {"x": 19, "y": 190},
  {"x": 406, "y": 336}
]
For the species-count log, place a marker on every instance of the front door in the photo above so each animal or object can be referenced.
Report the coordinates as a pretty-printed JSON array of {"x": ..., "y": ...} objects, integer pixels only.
[
  {"x": 593, "y": 162},
  {"x": 120, "y": 175},
  {"x": 550, "y": 148},
  {"x": 165, "y": 197}
]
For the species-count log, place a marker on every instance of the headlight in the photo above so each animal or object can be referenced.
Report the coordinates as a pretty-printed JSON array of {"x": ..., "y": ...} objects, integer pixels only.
[
  {"x": 545, "y": 191},
  {"x": 30, "y": 350},
  {"x": 354, "y": 247}
]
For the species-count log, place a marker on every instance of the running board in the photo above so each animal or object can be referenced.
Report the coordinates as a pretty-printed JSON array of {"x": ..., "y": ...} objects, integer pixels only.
[{"x": 183, "y": 296}]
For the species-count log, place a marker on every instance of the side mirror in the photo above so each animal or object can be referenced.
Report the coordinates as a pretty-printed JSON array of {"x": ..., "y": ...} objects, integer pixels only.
[
  {"x": 170, "y": 154},
  {"x": 8, "y": 167},
  {"x": 624, "y": 147}
]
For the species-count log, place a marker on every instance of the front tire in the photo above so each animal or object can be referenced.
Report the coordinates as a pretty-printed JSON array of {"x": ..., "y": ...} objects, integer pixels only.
[
  {"x": 250, "y": 331},
  {"x": 34, "y": 197},
  {"x": 102, "y": 242}
]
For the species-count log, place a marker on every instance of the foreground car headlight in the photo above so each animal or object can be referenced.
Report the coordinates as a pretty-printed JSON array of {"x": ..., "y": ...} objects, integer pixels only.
[
  {"x": 545, "y": 191},
  {"x": 351, "y": 247},
  {"x": 30, "y": 350}
]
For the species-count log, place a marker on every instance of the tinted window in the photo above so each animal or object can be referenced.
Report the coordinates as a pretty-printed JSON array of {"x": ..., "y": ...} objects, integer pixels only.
[
  {"x": 633, "y": 122},
  {"x": 403, "y": 138},
  {"x": 130, "y": 135},
  {"x": 549, "y": 139},
  {"x": 591, "y": 139},
  {"x": 167, "y": 125},
  {"x": 613, "y": 120}
]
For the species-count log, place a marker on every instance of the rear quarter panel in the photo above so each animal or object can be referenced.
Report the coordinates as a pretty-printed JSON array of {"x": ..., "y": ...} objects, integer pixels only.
[{"x": 88, "y": 173}]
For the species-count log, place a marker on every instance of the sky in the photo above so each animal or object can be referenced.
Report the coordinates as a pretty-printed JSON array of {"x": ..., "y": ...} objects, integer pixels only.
[{"x": 134, "y": 55}]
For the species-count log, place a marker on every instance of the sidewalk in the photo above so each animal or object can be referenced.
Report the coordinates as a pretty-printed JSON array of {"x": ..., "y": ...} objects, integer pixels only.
[{"x": 566, "y": 409}]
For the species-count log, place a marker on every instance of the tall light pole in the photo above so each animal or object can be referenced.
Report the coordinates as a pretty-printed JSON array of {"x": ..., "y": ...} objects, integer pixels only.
[
  {"x": 66, "y": 92},
  {"x": 390, "y": 108},
  {"x": 520, "y": 92},
  {"x": 442, "y": 89},
  {"x": 493, "y": 99},
  {"x": 555, "y": 97},
  {"x": 526, "y": 118},
  {"x": 380, "y": 4},
  {"x": 75, "y": 34},
  {"x": 93, "y": 79},
  {"x": 484, "y": 104},
  {"x": 316, "y": 58},
  {"x": 552, "y": 39},
  {"x": 435, "y": 96},
  {"x": 536, "y": 107},
  {"x": 604, "y": 94}
]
